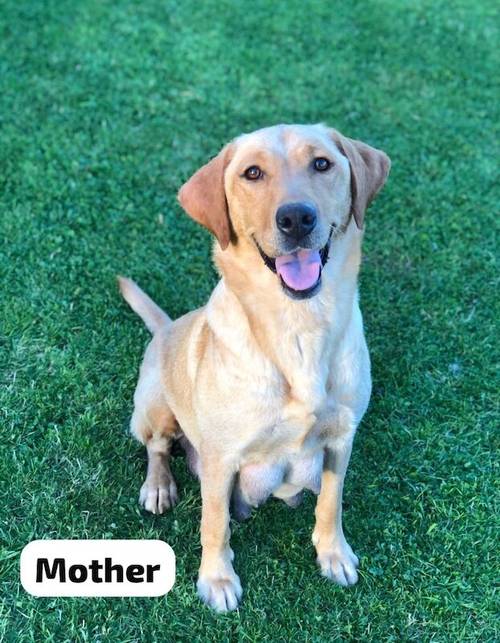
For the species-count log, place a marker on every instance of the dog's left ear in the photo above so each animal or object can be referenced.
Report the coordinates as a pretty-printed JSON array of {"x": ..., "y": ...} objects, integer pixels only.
[
  {"x": 203, "y": 197},
  {"x": 369, "y": 171}
]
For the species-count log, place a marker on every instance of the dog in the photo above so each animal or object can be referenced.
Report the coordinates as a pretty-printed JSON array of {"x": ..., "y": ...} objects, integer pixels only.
[{"x": 266, "y": 384}]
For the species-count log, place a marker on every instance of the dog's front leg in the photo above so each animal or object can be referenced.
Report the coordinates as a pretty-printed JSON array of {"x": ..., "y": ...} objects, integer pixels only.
[
  {"x": 335, "y": 556},
  {"x": 218, "y": 585}
]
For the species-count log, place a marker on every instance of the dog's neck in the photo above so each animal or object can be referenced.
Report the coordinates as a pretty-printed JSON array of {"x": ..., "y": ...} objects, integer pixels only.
[{"x": 276, "y": 325}]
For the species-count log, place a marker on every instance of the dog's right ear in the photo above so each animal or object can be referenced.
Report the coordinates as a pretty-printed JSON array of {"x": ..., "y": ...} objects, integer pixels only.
[{"x": 203, "y": 197}]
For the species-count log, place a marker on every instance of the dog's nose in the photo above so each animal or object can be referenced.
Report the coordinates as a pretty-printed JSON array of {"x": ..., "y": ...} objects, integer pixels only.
[{"x": 296, "y": 220}]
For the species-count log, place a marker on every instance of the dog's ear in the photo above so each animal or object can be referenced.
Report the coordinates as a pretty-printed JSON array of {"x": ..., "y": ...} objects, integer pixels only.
[
  {"x": 203, "y": 197},
  {"x": 369, "y": 171}
]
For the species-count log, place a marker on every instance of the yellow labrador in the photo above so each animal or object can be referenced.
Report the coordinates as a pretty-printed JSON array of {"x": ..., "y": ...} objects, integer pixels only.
[{"x": 266, "y": 384}]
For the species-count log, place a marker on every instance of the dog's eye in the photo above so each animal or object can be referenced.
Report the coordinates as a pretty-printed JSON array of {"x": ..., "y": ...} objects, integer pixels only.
[
  {"x": 321, "y": 164},
  {"x": 253, "y": 173}
]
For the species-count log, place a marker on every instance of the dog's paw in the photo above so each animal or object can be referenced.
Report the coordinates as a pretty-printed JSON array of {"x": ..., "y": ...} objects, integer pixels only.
[
  {"x": 220, "y": 593},
  {"x": 158, "y": 497},
  {"x": 339, "y": 565}
]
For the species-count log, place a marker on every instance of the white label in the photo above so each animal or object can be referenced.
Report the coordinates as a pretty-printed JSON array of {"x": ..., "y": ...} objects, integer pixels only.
[{"x": 97, "y": 568}]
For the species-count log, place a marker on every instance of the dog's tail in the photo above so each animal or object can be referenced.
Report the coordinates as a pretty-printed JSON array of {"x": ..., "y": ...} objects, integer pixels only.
[{"x": 151, "y": 314}]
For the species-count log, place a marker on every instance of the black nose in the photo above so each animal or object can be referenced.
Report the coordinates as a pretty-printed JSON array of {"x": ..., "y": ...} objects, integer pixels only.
[{"x": 296, "y": 220}]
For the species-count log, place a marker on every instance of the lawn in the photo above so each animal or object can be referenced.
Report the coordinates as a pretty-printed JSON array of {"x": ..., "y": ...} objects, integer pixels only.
[{"x": 105, "y": 109}]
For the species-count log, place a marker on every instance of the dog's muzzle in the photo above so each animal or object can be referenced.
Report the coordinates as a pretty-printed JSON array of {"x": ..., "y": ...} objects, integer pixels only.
[{"x": 299, "y": 272}]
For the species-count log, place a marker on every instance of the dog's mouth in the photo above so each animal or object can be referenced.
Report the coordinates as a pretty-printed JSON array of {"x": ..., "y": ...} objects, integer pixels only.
[{"x": 300, "y": 271}]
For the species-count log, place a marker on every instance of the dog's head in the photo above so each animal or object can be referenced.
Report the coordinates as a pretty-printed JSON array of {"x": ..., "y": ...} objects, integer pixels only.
[{"x": 286, "y": 189}]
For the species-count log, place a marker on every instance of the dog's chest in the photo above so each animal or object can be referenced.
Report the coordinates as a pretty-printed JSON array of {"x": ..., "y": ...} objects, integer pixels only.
[
  {"x": 287, "y": 456},
  {"x": 278, "y": 376}
]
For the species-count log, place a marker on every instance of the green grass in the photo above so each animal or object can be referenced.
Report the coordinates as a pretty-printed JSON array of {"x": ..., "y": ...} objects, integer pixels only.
[{"x": 106, "y": 107}]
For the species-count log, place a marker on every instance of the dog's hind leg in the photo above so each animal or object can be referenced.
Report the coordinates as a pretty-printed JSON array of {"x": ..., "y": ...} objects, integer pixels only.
[
  {"x": 155, "y": 428},
  {"x": 154, "y": 424}
]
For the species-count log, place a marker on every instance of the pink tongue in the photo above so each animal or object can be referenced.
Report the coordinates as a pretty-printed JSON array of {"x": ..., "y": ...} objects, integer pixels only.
[{"x": 300, "y": 270}]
